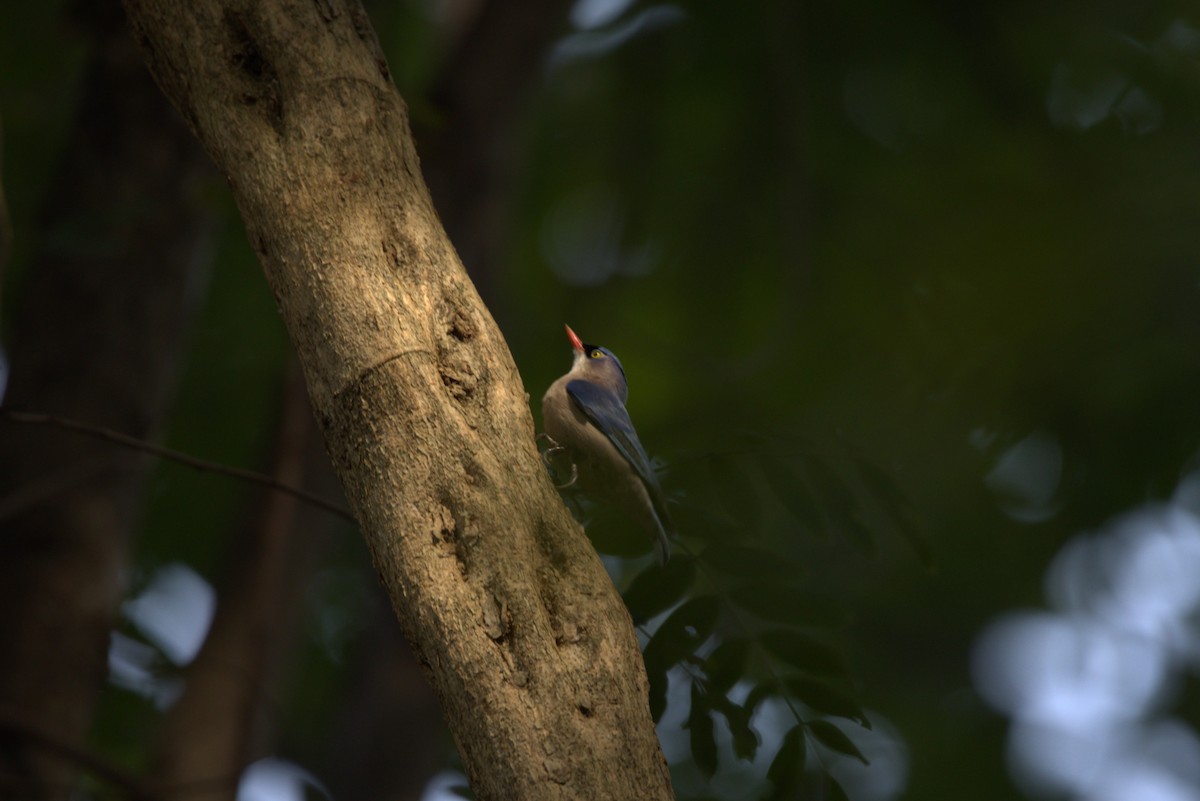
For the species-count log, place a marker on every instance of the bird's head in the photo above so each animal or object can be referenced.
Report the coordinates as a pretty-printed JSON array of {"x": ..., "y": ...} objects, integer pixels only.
[{"x": 598, "y": 365}]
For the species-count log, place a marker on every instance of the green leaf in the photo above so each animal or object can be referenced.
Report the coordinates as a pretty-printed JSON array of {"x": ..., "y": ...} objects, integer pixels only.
[
  {"x": 656, "y": 676},
  {"x": 803, "y": 652},
  {"x": 825, "y": 699},
  {"x": 705, "y": 525},
  {"x": 786, "y": 603},
  {"x": 658, "y": 587},
  {"x": 726, "y": 664},
  {"x": 700, "y": 729},
  {"x": 880, "y": 484},
  {"x": 788, "y": 765},
  {"x": 676, "y": 639},
  {"x": 745, "y": 739},
  {"x": 835, "y": 739},
  {"x": 696, "y": 617},
  {"x": 744, "y": 561},
  {"x": 735, "y": 491},
  {"x": 758, "y": 694},
  {"x": 684, "y": 629},
  {"x": 793, "y": 492},
  {"x": 610, "y": 532},
  {"x": 838, "y": 501},
  {"x": 833, "y": 790},
  {"x": 896, "y": 506},
  {"x": 862, "y": 533}
]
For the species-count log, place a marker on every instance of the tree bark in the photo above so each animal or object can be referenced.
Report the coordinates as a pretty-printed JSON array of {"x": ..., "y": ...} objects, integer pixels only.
[
  {"x": 527, "y": 644},
  {"x": 387, "y": 736},
  {"x": 96, "y": 337},
  {"x": 207, "y": 735},
  {"x": 479, "y": 95},
  {"x": 495, "y": 51}
]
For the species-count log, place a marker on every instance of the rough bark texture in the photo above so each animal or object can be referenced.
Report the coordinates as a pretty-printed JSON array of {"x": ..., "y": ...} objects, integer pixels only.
[
  {"x": 524, "y": 638},
  {"x": 467, "y": 159},
  {"x": 98, "y": 326}
]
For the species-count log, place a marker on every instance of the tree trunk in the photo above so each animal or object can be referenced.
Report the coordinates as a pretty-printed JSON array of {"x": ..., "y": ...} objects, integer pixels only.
[
  {"x": 206, "y": 738},
  {"x": 524, "y": 638},
  {"x": 96, "y": 337},
  {"x": 479, "y": 96}
]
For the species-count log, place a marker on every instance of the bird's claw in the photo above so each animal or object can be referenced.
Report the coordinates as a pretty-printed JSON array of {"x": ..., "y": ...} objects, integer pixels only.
[
  {"x": 548, "y": 456},
  {"x": 570, "y": 481}
]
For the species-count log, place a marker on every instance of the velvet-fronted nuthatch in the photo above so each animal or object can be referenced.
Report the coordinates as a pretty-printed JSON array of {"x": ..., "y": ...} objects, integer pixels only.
[{"x": 583, "y": 413}]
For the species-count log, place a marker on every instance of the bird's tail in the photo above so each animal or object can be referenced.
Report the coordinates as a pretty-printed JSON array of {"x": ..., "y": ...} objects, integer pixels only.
[
  {"x": 664, "y": 526},
  {"x": 663, "y": 544}
]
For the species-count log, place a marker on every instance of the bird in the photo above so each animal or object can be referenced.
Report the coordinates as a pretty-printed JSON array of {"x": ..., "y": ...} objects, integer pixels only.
[{"x": 583, "y": 414}]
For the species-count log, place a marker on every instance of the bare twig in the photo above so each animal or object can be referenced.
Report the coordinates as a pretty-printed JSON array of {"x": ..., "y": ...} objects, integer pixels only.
[
  {"x": 203, "y": 465},
  {"x": 81, "y": 758}
]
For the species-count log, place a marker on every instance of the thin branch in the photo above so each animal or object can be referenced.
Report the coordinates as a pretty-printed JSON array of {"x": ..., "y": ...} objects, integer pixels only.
[
  {"x": 52, "y": 485},
  {"x": 203, "y": 465},
  {"x": 86, "y": 760},
  {"x": 127, "y": 785},
  {"x": 5, "y": 223}
]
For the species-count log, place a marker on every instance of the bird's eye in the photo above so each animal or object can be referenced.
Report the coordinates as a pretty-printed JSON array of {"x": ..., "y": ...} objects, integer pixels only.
[{"x": 596, "y": 354}]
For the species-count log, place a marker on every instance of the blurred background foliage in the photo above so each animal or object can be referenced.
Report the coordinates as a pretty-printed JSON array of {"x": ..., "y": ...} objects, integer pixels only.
[{"x": 907, "y": 298}]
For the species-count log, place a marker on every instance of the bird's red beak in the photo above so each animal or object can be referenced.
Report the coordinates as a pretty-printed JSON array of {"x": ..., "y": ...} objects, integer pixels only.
[{"x": 576, "y": 342}]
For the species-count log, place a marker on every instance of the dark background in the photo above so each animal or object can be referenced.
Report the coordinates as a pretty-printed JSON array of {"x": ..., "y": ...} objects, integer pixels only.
[{"x": 955, "y": 243}]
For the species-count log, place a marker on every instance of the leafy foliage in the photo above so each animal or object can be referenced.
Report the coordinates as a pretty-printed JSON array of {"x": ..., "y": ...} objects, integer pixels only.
[
  {"x": 656, "y": 590},
  {"x": 788, "y": 765},
  {"x": 744, "y": 625},
  {"x": 923, "y": 230}
]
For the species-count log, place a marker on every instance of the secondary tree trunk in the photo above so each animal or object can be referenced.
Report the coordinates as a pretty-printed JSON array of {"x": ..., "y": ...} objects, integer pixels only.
[
  {"x": 480, "y": 95},
  {"x": 524, "y": 638},
  {"x": 96, "y": 337},
  {"x": 206, "y": 738}
]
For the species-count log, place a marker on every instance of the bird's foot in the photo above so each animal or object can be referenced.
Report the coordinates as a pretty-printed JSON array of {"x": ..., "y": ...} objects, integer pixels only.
[{"x": 550, "y": 454}]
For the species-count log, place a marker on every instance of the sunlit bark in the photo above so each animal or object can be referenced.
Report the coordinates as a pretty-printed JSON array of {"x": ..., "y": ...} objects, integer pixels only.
[{"x": 522, "y": 634}]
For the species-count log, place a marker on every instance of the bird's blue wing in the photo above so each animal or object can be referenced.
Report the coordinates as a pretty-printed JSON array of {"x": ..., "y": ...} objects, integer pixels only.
[{"x": 608, "y": 414}]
